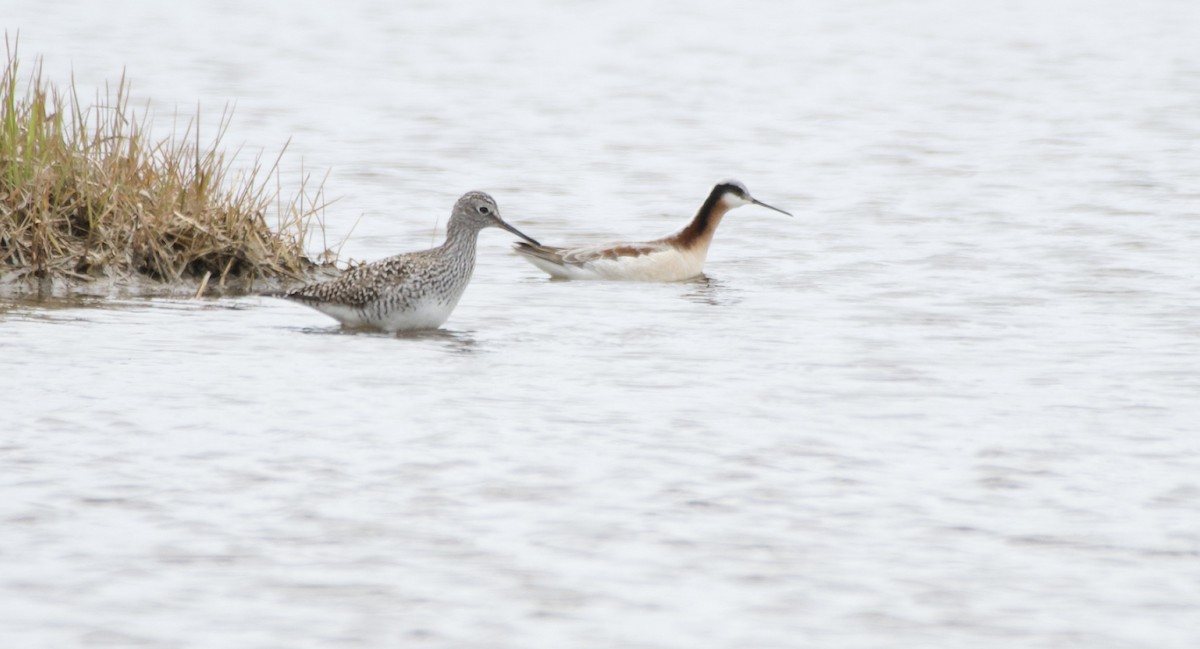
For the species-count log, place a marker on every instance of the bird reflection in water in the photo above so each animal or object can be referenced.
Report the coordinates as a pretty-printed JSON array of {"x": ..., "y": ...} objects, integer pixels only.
[{"x": 707, "y": 290}]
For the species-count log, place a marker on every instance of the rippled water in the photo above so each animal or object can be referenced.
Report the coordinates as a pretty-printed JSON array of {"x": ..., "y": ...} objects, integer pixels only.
[{"x": 952, "y": 403}]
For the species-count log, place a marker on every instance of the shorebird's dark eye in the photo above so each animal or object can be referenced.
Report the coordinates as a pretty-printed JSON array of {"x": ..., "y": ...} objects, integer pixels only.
[{"x": 483, "y": 209}]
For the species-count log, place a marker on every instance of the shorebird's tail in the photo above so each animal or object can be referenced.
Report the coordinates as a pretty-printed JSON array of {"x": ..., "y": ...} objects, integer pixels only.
[{"x": 547, "y": 253}]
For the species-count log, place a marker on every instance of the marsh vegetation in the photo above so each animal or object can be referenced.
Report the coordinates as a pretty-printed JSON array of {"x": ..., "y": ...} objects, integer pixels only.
[{"x": 91, "y": 199}]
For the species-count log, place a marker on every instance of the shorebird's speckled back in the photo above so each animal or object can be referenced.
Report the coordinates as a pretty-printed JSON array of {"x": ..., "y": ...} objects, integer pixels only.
[{"x": 416, "y": 290}]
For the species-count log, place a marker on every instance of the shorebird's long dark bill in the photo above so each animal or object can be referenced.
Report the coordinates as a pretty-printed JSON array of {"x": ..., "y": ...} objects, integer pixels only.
[
  {"x": 758, "y": 202},
  {"x": 517, "y": 232}
]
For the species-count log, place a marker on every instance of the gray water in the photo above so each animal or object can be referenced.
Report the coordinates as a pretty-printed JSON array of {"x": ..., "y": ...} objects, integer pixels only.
[{"x": 952, "y": 403}]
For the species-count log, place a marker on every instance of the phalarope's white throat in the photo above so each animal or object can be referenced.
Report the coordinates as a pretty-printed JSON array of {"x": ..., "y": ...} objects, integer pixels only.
[
  {"x": 672, "y": 258},
  {"x": 416, "y": 290}
]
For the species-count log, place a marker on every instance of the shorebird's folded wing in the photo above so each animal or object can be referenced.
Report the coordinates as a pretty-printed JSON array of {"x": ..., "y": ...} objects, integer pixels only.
[{"x": 361, "y": 285}]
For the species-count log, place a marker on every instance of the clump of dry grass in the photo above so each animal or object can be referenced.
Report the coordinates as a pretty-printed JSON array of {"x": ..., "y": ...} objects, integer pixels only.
[{"x": 86, "y": 193}]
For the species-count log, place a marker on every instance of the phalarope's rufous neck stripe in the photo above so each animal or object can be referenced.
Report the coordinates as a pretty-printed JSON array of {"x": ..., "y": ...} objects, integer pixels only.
[
  {"x": 672, "y": 258},
  {"x": 416, "y": 290}
]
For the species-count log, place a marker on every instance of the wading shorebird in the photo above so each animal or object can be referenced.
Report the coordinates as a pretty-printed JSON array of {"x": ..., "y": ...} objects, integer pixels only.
[
  {"x": 415, "y": 290},
  {"x": 672, "y": 258}
]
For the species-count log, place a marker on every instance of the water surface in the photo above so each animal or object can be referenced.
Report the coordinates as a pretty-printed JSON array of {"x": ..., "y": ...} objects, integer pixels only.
[{"x": 951, "y": 403}]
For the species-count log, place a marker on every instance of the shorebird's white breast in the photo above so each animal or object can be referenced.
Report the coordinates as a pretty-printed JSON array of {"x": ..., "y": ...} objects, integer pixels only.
[{"x": 427, "y": 313}]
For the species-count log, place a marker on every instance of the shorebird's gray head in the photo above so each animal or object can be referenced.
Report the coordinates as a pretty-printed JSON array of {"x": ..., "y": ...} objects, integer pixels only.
[
  {"x": 477, "y": 210},
  {"x": 734, "y": 194}
]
